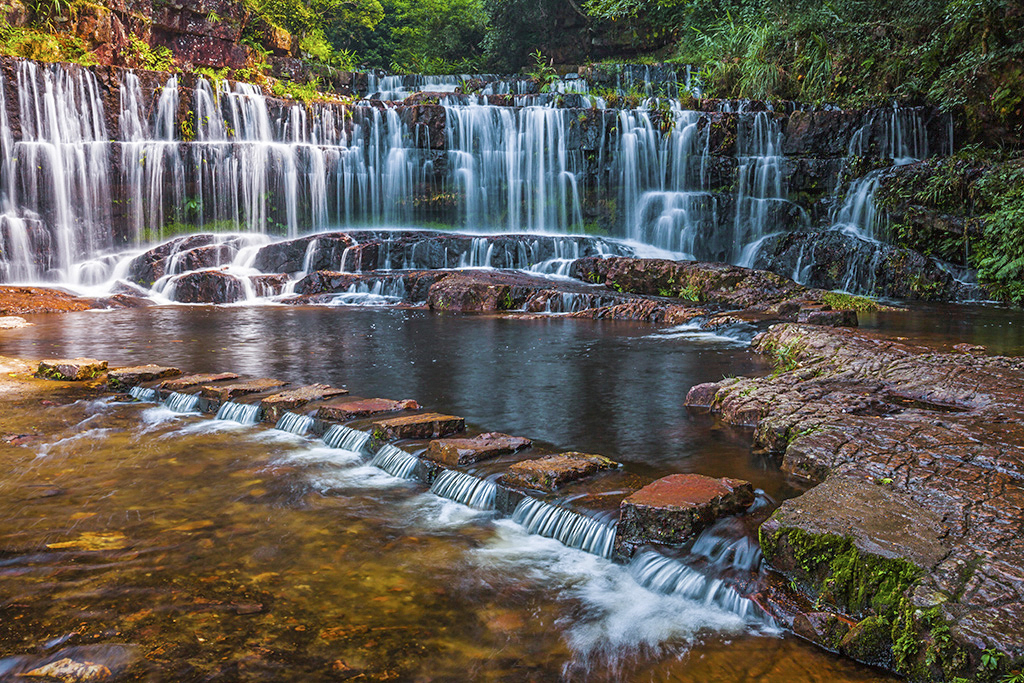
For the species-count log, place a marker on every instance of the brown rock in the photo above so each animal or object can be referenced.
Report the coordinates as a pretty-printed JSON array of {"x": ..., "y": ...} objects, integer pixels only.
[
  {"x": 830, "y": 318},
  {"x": 229, "y": 391},
  {"x": 26, "y": 300},
  {"x": 71, "y": 369},
  {"x": 275, "y": 406},
  {"x": 357, "y": 408},
  {"x": 553, "y": 471},
  {"x": 125, "y": 378},
  {"x": 425, "y": 426},
  {"x": 208, "y": 287},
  {"x": 190, "y": 381},
  {"x": 455, "y": 452},
  {"x": 673, "y": 508}
]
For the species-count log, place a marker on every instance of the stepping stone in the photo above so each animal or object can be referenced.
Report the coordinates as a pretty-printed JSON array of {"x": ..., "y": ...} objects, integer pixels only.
[
  {"x": 275, "y": 406},
  {"x": 365, "y": 407},
  {"x": 190, "y": 381},
  {"x": 674, "y": 508},
  {"x": 126, "y": 378},
  {"x": 425, "y": 426},
  {"x": 553, "y": 471},
  {"x": 454, "y": 452},
  {"x": 71, "y": 369},
  {"x": 229, "y": 391}
]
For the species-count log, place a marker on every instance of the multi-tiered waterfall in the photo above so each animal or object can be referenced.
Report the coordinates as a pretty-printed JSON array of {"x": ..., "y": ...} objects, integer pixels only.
[{"x": 92, "y": 167}]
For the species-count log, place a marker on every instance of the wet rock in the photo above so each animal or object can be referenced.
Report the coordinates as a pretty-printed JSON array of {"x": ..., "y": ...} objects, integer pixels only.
[
  {"x": 71, "y": 369},
  {"x": 645, "y": 311},
  {"x": 208, "y": 287},
  {"x": 268, "y": 285},
  {"x": 121, "y": 379},
  {"x": 191, "y": 381},
  {"x": 554, "y": 471},
  {"x": 149, "y": 267},
  {"x": 493, "y": 291},
  {"x": 16, "y": 301},
  {"x": 830, "y": 318},
  {"x": 13, "y": 322},
  {"x": 70, "y": 671},
  {"x": 456, "y": 452},
  {"x": 365, "y": 407},
  {"x": 425, "y": 426},
  {"x": 310, "y": 253},
  {"x": 277, "y": 405},
  {"x": 471, "y": 293},
  {"x": 674, "y": 508},
  {"x": 823, "y": 628},
  {"x": 227, "y": 392}
]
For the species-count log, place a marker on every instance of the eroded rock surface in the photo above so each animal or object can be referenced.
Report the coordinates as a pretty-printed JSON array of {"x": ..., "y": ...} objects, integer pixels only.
[
  {"x": 424, "y": 426},
  {"x": 226, "y": 392},
  {"x": 454, "y": 452},
  {"x": 554, "y": 471},
  {"x": 191, "y": 381},
  {"x": 125, "y": 378},
  {"x": 343, "y": 411},
  {"x": 273, "y": 407},
  {"x": 71, "y": 369},
  {"x": 944, "y": 430}
]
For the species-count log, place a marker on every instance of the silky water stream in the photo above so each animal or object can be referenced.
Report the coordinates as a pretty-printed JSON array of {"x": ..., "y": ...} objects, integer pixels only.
[{"x": 174, "y": 546}]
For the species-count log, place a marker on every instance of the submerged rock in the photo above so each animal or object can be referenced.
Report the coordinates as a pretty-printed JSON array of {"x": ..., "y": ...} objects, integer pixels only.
[
  {"x": 365, "y": 407},
  {"x": 455, "y": 452},
  {"x": 554, "y": 471},
  {"x": 121, "y": 379},
  {"x": 71, "y": 369},
  {"x": 674, "y": 508}
]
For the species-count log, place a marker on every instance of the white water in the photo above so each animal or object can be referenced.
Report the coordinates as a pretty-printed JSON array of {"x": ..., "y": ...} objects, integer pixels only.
[
  {"x": 395, "y": 462},
  {"x": 569, "y": 528},
  {"x": 294, "y": 423},
  {"x": 242, "y": 413},
  {"x": 466, "y": 489},
  {"x": 345, "y": 438}
]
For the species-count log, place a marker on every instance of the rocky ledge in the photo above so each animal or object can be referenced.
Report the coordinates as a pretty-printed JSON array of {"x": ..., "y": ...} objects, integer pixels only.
[{"x": 910, "y": 548}]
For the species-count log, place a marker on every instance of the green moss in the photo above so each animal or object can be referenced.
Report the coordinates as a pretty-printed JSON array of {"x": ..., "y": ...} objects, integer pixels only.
[{"x": 839, "y": 301}]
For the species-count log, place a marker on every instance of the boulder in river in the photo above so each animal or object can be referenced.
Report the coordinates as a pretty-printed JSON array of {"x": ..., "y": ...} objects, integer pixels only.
[
  {"x": 71, "y": 369},
  {"x": 455, "y": 452},
  {"x": 554, "y": 471}
]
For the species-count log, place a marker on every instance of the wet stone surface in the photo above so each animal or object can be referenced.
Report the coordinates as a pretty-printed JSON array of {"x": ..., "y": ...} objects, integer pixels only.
[
  {"x": 554, "y": 471},
  {"x": 344, "y": 411},
  {"x": 425, "y": 426},
  {"x": 226, "y": 392},
  {"x": 192, "y": 381},
  {"x": 454, "y": 452},
  {"x": 71, "y": 369},
  {"x": 275, "y": 406},
  {"x": 125, "y": 378}
]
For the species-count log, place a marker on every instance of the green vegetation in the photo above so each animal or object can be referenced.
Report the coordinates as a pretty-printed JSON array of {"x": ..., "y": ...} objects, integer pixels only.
[{"x": 840, "y": 301}]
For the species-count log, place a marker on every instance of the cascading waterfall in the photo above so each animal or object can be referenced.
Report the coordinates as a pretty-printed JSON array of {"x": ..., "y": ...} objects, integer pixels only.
[
  {"x": 666, "y": 575},
  {"x": 183, "y": 403},
  {"x": 243, "y": 413},
  {"x": 570, "y": 528},
  {"x": 144, "y": 394},
  {"x": 295, "y": 423},
  {"x": 395, "y": 462},
  {"x": 466, "y": 489},
  {"x": 346, "y": 438}
]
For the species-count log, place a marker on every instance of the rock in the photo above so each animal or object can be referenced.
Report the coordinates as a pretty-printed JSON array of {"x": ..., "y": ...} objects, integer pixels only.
[
  {"x": 822, "y": 628},
  {"x": 674, "y": 508},
  {"x": 190, "y": 381},
  {"x": 830, "y": 318},
  {"x": 227, "y": 392},
  {"x": 121, "y": 379},
  {"x": 71, "y": 369},
  {"x": 13, "y": 322},
  {"x": 277, "y": 405},
  {"x": 290, "y": 256},
  {"x": 702, "y": 395},
  {"x": 268, "y": 285},
  {"x": 357, "y": 408},
  {"x": 647, "y": 311},
  {"x": 471, "y": 293},
  {"x": 869, "y": 641},
  {"x": 456, "y": 452},
  {"x": 553, "y": 471},
  {"x": 207, "y": 287},
  {"x": 149, "y": 267},
  {"x": 70, "y": 671},
  {"x": 425, "y": 426},
  {"x": 16, "y": 301},
  {"x": 493, "y": 291}
]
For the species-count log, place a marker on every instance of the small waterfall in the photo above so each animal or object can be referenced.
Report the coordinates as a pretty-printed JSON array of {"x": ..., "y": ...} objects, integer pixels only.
[
  {"x": 761, "y": 196},
  {"x": 466, "y": 489},
  {"x": 395, "y": 462},
  {"x": 183, "y": 403},
  {"x": 570, "y": 528},
  {"x": 858, "y": 214},
  {"x": 244, "y": 413},
  {"x": 295, "y": 423},
  {"x": 346, "y": 438},
  {"x": 144, "y": 394},
  {"x": 666, "y": 575}
]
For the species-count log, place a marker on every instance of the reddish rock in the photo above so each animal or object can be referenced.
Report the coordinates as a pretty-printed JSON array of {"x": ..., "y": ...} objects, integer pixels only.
[
  {"x": 268, "y": 285},
  {"x": 227, "y": 392},
  {"x": 208, "y": 287},
  {"x": 275, "y": 406},
  {"x": 125, "y": 378},
  {"x": 71, "y": 369},
  {"x": 26, "y": 300},
  {"x": 365, "y": 407},
  {"x": 455, "y": 452},
  {"x": 553, "y": 471},
  {"x": 829, "y": 318},
  {"x": 190, "y": 381},
  {"x": 674, "y": 508},
  {"x": 425, "y": 426},
  {"x": 702, "y": 395}
]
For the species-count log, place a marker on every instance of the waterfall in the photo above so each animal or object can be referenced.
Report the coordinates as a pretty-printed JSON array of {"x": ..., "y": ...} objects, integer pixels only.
[
  {"x": 666, "y": 575},
  {"x": 295, "y": 423},
  {"x": 570, "y": 528},
  {"x": 466, "y": 489},
  {"x": 395, "y": 462},
  {"x": 345, "y": 438},
  {"x": 144, "y": 394},
  {"x": 243, "y": 413},
  {"x": 183, "y": 403}
]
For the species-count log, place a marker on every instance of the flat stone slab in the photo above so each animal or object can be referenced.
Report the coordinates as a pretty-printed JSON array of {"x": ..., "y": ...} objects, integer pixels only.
[
  {"x": 71, "y": 369},
  {"x": 125, "y": 378},
  {"x": 276, "y": 405},
  {"x": 425, "y": 426},
  {"x": 12, "y": 322},
  {"x": 553, "y": 471},
  {"x": 674, "y": 508},
  {"x": 191, "y": 381},
  {"x": 454, "y": 452},
  {"x": 227, "y": 392},
  {"x": 364, "y": 407}
]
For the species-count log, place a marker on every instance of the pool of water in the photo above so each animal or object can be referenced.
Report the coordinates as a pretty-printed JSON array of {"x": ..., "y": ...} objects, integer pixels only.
[{"x": 186, "y": 548}]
